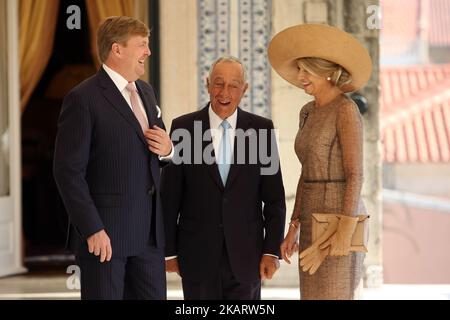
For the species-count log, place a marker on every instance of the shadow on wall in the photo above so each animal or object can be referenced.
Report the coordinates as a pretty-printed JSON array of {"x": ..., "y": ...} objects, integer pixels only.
[{"x": 415, "y": 244}]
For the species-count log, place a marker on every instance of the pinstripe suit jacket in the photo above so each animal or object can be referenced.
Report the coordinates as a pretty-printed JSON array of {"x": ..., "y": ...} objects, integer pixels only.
[{"x": 106, "y": 175}]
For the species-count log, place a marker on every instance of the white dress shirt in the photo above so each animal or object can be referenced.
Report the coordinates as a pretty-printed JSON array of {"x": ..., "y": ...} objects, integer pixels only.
[{"x": 215, "y": 123}]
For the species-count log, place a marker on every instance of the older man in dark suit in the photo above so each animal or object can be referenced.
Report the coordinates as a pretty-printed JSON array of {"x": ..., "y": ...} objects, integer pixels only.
[
  {"x": 224, "y": 213},
  {"x": 107, "y": 167}
]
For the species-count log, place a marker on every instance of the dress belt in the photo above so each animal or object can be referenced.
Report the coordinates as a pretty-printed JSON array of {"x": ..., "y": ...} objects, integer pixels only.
[{"x": 325, "y": 181}]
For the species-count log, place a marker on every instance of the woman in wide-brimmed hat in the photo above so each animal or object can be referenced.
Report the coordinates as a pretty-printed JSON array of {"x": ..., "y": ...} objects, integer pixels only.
[{"x": 326, "y": 63}]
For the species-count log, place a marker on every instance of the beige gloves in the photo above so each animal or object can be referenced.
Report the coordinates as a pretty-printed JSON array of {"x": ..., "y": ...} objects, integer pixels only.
[
  {"x": 311, "y": 261},
  {"x": 341, "y": 241},
  {"x": 335, "y": 241},
  {"x": 312, "y": 257}
]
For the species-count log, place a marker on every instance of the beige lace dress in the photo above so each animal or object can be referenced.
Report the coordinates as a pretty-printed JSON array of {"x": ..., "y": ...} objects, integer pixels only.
[{"x": 329, "y": 145}]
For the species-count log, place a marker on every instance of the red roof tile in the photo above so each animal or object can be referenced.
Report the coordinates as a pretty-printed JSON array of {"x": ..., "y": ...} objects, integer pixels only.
[
  {"x": 439, "y": 32},
  {"x": 415, "y": 113}
]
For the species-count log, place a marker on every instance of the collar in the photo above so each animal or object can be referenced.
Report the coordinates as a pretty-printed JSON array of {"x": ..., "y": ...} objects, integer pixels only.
[
  {"x": 118, "y": 80},
  {"x": 215, "y": 121}
]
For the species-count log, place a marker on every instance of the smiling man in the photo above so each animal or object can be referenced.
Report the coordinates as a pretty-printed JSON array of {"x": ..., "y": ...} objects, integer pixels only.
[
  {"x": 224, "y": 221},
  {"x": 108, "y": 154}
]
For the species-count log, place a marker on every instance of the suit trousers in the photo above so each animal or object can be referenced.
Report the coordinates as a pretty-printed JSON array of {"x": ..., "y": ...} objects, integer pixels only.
[
  {"x": 221, "y": 285},
  {"x": 139, "y": 277}
]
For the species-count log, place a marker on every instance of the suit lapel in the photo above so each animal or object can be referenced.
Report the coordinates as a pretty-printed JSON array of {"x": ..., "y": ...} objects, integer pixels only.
[
  {"x": 243, "y": 123},
  {"x": 115, "y": 98},
  {"x": 213, "y": 169}
]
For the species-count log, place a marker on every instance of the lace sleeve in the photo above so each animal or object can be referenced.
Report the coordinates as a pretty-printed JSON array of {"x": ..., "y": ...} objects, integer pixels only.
[
  {"x": 350, "y": 134},
  {"x": 298, "y": 200}
]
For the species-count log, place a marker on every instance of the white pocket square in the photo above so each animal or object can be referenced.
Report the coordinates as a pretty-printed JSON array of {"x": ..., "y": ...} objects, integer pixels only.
[{"x": 159, "y": 111}]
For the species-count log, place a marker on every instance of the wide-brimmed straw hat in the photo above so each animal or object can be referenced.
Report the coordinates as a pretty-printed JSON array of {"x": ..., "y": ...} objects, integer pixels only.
[{"x": 319, "y": 41}]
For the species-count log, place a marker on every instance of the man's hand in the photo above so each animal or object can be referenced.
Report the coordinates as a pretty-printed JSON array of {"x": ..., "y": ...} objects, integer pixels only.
[
  {"x": 100, "y": 245},
  {"x": 172, "y": 266},
  {"x": 158, "y": 141},
  {"x": 268, "y": 266}
]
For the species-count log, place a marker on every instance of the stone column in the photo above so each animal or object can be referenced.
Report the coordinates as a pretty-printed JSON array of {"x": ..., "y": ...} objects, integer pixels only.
[
  {"x": 178, "y": 47},
  {"x": 358, "y": 22},
  {"x": 178, "y": 67},
  {"x": 286, "y": 103}
]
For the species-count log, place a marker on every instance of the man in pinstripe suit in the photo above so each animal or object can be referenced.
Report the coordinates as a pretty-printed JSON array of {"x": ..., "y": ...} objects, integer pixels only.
[{"x": 109, "y": 148}]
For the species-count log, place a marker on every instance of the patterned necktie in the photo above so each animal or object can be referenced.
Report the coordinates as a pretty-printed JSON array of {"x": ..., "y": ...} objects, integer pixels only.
[
  {"x": 135, "y": 106},
  {"x": 224, "y": 152}
]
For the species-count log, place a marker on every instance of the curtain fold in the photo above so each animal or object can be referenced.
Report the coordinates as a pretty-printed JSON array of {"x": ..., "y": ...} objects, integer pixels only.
[
  {"x": 38, "y": 19},
  {"x": 4, "y": 105},
  {"x": 98, "y": 10}
]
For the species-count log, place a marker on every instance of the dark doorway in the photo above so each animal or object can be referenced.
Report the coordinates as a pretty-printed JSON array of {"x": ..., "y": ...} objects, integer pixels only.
[{"x": 44, "y": 217}]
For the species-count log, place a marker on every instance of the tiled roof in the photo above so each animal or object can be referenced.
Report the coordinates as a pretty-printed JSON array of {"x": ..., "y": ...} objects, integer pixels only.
[
  {"x": 439, "y": 32},
  {"x": 415, "y": 113}
]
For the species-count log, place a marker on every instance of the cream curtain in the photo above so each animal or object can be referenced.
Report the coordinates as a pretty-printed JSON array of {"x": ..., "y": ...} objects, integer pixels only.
[
  {"x": 98, "y": 10},
  {"x": 38, "y": 20},
  {"x": 4, "y": 114}
]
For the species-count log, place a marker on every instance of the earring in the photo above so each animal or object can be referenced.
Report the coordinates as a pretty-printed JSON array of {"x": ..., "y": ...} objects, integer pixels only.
[{"x": 329, "y": 78}]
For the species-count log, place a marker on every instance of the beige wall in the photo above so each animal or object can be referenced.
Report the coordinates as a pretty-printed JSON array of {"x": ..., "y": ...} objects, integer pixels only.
[
  {"x": 415, "y": 245},
  {"x": 431, "y": 179},
  {"x": 287, "y": 101},
  {"x": 178, "y": 45},
  {"x": 415, "y": 226}
]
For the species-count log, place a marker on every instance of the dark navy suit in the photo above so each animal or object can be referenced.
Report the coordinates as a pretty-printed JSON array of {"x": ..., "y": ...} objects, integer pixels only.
[
  {"x": 220, "y": 233},
  {"x": 108, "y": 179}
]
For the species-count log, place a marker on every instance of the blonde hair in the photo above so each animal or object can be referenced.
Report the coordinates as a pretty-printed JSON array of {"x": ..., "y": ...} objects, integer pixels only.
[
  {"x": 118, "y": 30},
  {"x": 318, "y": 67}
]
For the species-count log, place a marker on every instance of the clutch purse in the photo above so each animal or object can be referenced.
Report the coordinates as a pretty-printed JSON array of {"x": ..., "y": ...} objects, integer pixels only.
[{"x": 320, "y": 222}]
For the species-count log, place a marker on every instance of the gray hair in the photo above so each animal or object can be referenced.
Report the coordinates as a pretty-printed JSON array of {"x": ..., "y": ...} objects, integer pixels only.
[{"x": 228, "y": 58}]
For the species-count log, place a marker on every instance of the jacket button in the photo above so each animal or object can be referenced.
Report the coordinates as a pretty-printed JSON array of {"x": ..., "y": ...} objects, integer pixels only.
[
  {"x": 221, "y": 226},
  {"x": 151, "y": 191}
]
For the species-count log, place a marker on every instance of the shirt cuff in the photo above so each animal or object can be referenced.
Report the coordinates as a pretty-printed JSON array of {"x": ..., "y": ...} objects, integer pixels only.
[
  {"x": 272, "y": 255},
  {"x": 171, "y": 257},
  {"x": 169, "y": 157}
]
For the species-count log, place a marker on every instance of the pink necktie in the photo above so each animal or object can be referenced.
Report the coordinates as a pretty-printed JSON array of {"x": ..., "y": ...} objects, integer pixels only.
[{"x": 135, "y": 106}]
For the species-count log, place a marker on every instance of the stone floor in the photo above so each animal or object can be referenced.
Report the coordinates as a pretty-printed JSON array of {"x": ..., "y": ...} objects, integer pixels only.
[{"x": 54, "y": 285}]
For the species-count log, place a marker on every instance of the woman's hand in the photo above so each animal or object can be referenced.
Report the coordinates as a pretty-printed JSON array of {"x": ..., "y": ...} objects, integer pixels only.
[{"x": 290, "y": 242}]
